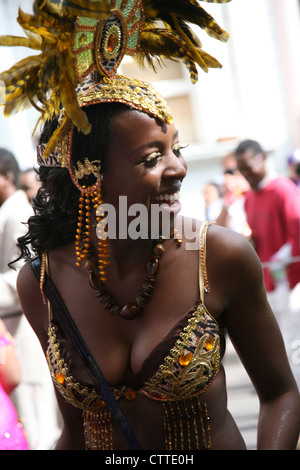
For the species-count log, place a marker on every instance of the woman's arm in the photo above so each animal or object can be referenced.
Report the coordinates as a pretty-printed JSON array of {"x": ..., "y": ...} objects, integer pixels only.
[
  {"x": 10, "y": 372},
  {"x": 255, "y": 334}
]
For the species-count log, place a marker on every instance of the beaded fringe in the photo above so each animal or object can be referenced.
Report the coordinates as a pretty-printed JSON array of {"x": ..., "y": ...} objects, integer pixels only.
[
  {"x": 186, "y": 425},
  {"x": 98, "y": 430}
]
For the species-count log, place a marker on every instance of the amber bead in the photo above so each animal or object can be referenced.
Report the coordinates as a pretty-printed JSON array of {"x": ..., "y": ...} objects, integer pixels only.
[
  {"x": 130, "y": 311},
  {"x": 159, "y": 249},
  {"x": 152, "y": 266},
  {"x": 89, "y": 265}
]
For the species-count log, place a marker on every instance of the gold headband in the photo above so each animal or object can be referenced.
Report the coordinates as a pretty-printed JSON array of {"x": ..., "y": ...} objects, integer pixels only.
[
  {"x": 136, "y": 94},
  {"x": 130, "y": 91}
]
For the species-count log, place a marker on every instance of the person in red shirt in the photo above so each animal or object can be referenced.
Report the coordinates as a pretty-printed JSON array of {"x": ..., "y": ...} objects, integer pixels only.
[{"x": 273, "y": 213}]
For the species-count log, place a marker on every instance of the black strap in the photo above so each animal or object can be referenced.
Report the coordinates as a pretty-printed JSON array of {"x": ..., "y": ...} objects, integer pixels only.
[{"x": 80, "y": 346}]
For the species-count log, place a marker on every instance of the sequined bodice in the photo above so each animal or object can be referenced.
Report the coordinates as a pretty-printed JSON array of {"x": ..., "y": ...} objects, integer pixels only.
[
  {"x": 186, "y": 370},
  {"x": 176, "y": 373}
]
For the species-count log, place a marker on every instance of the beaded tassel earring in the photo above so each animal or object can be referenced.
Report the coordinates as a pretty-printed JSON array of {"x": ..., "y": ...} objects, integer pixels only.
[
  {"x": 82, "y": 238},
  {"x": 102, "y": 255},
  {"x": 89, "y": 199}
]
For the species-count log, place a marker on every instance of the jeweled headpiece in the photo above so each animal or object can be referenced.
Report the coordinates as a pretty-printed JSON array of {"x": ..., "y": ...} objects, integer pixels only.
[
  {"x": 81, "y": 44},
  {"x": 77, "y": 38}
]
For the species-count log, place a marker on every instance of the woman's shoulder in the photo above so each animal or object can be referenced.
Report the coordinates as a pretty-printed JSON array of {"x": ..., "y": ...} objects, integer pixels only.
[
  {"x": 31, "y": 299},
  {"x": 27, "y": 279},
  {"x": 226, "y": 241},
  {"x": 225, "y": 249},
  {"x": 235, "y": 261},
  {"x": 28, "y": 288}
]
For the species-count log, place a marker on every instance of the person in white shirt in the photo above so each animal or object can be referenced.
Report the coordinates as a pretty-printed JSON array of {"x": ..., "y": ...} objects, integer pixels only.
[{"x": 35, "y": 388}]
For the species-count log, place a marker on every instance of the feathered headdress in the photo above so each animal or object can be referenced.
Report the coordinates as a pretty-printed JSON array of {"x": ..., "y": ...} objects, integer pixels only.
[
  {"x": 81, "y": 45},
  {"x": 78, "y": 37}
]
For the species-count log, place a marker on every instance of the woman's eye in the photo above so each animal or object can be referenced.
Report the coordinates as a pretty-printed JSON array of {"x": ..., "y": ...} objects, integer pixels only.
[
  {"x": 177, "y": 149},
  {"x": 152, "y": 159}
]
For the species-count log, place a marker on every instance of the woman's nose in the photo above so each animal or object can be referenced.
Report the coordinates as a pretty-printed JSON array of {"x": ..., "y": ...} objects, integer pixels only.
[{"x": 175, "y": 167}]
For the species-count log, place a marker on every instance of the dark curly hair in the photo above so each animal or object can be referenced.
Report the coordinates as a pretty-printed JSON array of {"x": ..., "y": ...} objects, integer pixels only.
[{"x": 56, "y": 203}]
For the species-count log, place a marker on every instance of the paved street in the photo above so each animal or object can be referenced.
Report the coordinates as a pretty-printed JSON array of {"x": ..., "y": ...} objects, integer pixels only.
[{"x": 242, "y": 399}]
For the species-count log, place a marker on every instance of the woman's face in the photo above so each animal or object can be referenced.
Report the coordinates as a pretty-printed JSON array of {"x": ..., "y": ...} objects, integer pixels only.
[{"x": 144, "y": 162}]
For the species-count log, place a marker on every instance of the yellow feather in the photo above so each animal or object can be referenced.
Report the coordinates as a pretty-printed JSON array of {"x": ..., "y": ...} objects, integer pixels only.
[
  {"x": 176, "y": 14},
  {"x": 57, "y": 136},
  {"x": 22, "y": 70},
  {"x": 89, "y": 8},
  {"x": 19, "y": 41},
  {"x": 187, "y": 11},
  {"x": 161, "y": 43},
  {"x": 216, "y": 32},
  {"x": 69, "y": 97}
]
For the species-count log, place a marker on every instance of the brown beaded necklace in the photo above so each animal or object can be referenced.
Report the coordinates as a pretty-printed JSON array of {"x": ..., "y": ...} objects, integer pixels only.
[{"x": 129, "y": 311}]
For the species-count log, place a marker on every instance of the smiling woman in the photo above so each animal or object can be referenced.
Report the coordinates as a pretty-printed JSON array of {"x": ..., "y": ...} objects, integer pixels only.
[
  {"x": 133, "y": 328},
  {"x": 147, "y": 165}
]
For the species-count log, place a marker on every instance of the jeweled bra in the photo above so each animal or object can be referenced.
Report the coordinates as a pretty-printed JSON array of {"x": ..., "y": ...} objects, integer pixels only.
[{"x": 184, "y": 374}]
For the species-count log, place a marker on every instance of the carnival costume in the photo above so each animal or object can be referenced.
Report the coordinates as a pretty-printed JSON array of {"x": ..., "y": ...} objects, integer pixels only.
[{"x": 82, "y": 44}]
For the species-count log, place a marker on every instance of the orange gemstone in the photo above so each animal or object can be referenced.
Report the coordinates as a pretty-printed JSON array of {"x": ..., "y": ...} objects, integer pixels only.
[
  {"x": 59, "y": 377},
  {"x": 209, "y": 343},
  {"x": 130, "y": 394},
  {"x": 185, "y": 358},
  {"x": 99, "y": 404},
  {"x": 112, "y": 42}
]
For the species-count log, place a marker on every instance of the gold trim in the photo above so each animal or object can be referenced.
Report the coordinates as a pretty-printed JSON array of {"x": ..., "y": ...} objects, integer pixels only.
[
  {"x": 85, "y": 169},
  {"x": 175, "y": 382},
  {"x": 135, "y": 93}
]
